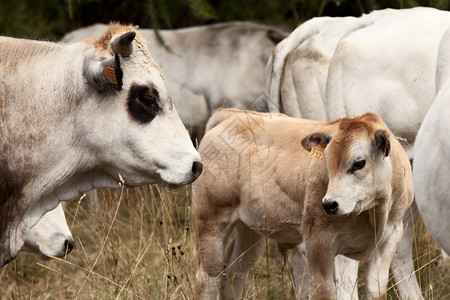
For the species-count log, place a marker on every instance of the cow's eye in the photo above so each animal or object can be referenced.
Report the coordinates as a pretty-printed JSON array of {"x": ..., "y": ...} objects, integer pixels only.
[
  {"x": 143, "y": 103},
  {"x": 149, "y": 101},
  {"x": 357, "y": 165}
]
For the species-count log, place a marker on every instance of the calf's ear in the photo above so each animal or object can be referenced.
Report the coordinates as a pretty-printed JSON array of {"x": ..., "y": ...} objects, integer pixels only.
[
  {"x": 315, "y": 139},
  {"x": 104, "y": 75},
  {"x": 382, "y": 142}
]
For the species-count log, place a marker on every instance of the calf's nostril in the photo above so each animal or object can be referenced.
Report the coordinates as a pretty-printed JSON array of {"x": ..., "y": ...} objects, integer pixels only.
[
  {"x": 68, "y": 246},
  {"x": 330, "y": 207},
  {"x": 197, "y": 169}
]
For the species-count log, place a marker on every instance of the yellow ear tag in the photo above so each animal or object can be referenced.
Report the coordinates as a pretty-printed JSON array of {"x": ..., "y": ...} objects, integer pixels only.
[
  {"x": 317, "y": 153},
  {"x": 110, "y": 74}
]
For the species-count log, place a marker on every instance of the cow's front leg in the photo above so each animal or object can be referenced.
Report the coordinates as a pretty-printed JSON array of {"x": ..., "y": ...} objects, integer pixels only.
[
  {"x": 376, "y": 269},
  {"x": 320, "y": 260},
  {"x": 210, "y": 254}
]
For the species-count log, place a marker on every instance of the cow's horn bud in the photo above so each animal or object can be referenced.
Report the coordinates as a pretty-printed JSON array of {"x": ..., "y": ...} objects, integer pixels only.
[{"x": 122, "y": 44}]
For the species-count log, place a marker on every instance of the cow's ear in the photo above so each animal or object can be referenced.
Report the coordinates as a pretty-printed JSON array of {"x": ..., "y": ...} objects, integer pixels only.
[
  {"x": 382, "y": 142},
  {"x": 315, "y": 139},
  {"x": 104, "y": 75},
  {"x": 276, "y": 36},
  {"x": 123, "y": 43}
]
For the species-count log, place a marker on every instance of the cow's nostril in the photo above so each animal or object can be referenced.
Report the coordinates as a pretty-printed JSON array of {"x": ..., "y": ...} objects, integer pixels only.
[
  {"x": 197, "y": 169},
  {"x": 330, "y": 207},
  {"x": 68, "y": 246}
]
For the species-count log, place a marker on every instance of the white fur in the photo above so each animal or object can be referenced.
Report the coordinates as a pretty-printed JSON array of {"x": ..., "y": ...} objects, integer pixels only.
[
  {"x": 297, "y": 71},
  {"x": 431, "y": 157},
  {"x": 387, "y": 71}
]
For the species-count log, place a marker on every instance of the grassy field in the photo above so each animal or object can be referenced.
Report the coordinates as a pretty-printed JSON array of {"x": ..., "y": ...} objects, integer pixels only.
[{"x": 139, "y": 246}]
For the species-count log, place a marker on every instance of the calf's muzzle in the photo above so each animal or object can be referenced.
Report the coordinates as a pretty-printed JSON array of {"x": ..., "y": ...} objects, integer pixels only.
[{"x": 330, "y": 206}]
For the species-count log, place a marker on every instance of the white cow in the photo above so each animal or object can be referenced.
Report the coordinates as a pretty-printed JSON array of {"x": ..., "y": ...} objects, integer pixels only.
[
  {"x": 432, "y": 156},
  {"x": 210, "y": 66},
  {"x": 80, "y": 116},
  {"x": 50, "y": 236},
  {"x": 388, "y": 68},
  {"x": 297, "y": 70}
]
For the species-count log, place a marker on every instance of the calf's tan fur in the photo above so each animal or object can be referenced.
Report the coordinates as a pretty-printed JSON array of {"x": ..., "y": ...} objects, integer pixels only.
[{"x": 259, "y": 179}]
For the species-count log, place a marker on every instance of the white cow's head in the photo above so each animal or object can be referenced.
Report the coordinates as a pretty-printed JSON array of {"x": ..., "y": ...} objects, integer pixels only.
[
  {"x": 50, "y": 236},
  {"x": 102, "y": 110},
  {"x": 130, "y": 120},
  {"x": 358, "y": 164}
]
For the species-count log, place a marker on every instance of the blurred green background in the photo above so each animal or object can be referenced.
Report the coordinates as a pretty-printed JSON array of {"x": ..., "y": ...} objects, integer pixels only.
[{"x": 50, "y": 19}]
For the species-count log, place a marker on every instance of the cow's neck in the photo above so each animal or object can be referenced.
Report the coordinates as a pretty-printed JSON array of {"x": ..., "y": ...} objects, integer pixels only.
[{"x": 69, "y": 182}]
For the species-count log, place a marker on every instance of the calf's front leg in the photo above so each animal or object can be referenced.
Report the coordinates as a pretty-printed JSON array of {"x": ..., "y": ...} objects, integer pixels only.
[
  {"x": 245, "y": 249},
  {"x": 211, "y": 235},
  {"x": 320, "y": 261}
]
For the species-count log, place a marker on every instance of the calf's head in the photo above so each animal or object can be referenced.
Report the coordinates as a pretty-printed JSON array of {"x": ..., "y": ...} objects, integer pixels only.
[
  {"x": 358, "y": 166},
  {"x": 130, "y": 121}
]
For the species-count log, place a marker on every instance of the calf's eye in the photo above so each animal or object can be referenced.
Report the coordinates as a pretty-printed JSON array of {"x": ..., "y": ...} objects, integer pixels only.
[{"x": 357, "y": 165}]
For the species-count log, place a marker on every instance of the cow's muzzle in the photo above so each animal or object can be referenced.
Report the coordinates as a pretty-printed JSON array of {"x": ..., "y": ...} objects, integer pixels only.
[{"x": 197, "y": 169}]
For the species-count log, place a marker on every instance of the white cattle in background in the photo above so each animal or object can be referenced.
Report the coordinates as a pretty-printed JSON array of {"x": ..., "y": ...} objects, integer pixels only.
[
  {"x": 297, "y": 70},
  {"x": 432, "y": 156},
  {"x": 208, "y": 67},
  {"x": 80, "y": 116},
  {"x": 50, "y": 236},
  {"x": 388, "y": 68}
]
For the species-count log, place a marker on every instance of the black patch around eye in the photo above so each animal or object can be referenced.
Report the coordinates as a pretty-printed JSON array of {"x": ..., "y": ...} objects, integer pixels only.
[
  {"x": 357, "y": 165},
  {"x": 143, "y": 103}
]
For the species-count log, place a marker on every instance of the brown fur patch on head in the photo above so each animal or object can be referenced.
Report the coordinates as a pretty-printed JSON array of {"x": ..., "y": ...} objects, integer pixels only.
[
  {"x": 370, "y": 117},
  {"x": 114, "y": 28},
  {"x": 352, "y": 125},
  {"x": 351, "y": 130},
  {"x": 367, "y": 117}
]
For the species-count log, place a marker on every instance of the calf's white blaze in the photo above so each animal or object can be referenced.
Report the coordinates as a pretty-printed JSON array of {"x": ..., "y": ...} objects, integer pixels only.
[{"x": 354, "y": 192}]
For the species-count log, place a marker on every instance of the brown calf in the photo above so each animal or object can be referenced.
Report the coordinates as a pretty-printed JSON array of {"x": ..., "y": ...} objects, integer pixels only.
[{"x": 346, "y": 199}]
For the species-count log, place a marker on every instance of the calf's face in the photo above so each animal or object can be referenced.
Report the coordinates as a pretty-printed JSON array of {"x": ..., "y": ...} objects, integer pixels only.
[{"x": 358, "y": 167}]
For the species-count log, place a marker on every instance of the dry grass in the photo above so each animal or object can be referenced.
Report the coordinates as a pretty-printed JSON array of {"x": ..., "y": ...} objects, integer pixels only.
[{"x": 146, "y": 252}]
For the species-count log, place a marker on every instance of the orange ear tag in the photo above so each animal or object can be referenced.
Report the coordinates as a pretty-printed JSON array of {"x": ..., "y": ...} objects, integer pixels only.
[
  {"x": 110, "y": 74},
  {"x": 317, "y": 153}
]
